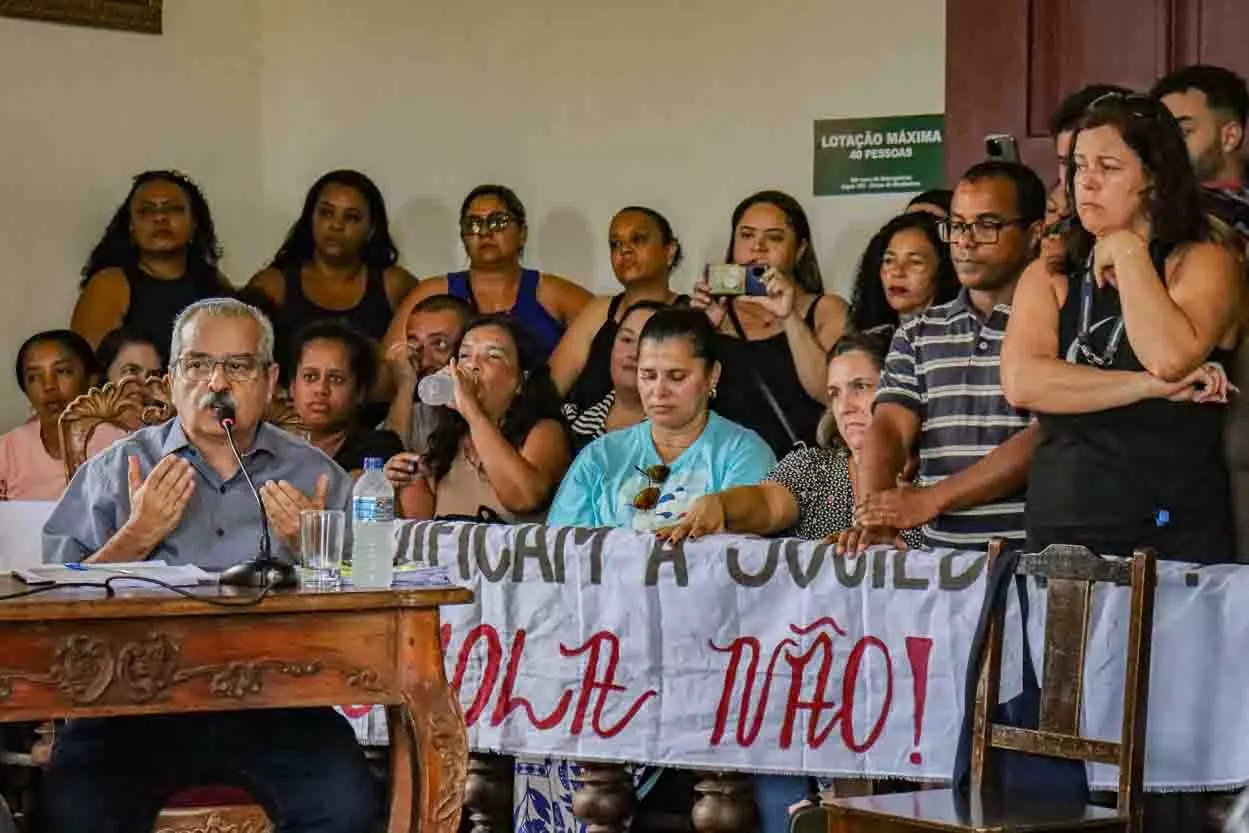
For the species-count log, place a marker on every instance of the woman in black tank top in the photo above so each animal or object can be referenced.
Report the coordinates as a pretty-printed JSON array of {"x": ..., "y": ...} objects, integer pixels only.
[
  {"x": 158, "y": 255},
  {"x": 774, "y": 347},
  {"x": 338, "y": 261},
  {"x": 644, "y": 253},
  {"x": 1119, "y": 356}
]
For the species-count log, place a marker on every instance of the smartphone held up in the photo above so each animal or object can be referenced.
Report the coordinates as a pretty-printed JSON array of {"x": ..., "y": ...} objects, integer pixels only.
[{"x": 724, "y": 279}]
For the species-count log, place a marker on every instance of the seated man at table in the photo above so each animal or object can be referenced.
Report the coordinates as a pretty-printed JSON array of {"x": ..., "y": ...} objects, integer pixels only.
[{"x": 175, "y": 492}]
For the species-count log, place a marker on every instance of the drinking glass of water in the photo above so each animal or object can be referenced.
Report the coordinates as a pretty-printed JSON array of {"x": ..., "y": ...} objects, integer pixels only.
[{"x": 321, "y": 548}]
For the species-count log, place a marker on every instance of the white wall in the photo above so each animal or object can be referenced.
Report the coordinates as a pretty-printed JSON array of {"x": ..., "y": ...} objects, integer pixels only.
[
  {"x": 584, "y": 107},
  {"x": 685, "y": 106},
  {"x": 82, "y": 111}
]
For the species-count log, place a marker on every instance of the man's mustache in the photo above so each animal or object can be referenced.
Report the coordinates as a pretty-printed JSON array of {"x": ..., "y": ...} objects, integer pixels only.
[{"x": 217, "y": 399}]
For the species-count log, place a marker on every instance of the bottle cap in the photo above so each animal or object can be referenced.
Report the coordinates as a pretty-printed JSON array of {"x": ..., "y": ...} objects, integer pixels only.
[{"x": 373, "y": 463}]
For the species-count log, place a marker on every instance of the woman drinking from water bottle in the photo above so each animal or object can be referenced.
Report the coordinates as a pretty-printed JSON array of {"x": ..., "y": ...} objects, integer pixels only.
[{"x": 498, "y": 449}]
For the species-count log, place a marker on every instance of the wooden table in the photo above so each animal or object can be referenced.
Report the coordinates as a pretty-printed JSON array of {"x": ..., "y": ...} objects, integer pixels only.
[{"x": 75, "y": 653}]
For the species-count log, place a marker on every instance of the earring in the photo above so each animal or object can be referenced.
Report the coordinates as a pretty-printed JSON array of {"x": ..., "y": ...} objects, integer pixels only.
[{"x": 713, "y": 393}]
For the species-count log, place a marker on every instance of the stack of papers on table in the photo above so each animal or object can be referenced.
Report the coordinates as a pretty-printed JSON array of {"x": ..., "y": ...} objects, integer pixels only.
[
  {"x": 413, "y": 577},
  {"x": 129, "y": 574}
]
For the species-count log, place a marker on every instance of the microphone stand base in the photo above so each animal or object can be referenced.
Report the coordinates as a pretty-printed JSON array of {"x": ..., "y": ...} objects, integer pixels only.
[{"x": 261, "y": 573}]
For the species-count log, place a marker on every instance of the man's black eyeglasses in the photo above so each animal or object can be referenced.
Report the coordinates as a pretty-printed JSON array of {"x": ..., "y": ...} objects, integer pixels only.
[{"x": 981, "y": 231}]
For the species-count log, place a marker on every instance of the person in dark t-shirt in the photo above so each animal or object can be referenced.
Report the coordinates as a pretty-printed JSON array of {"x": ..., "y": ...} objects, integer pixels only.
[{"x": 334, "y": 369}]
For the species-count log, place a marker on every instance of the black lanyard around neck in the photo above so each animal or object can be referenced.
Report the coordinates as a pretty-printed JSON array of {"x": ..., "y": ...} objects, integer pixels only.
[{"x": 1083, "y": 339}]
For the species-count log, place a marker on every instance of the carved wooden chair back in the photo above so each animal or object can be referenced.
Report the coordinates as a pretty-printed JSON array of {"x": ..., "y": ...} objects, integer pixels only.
[
  {"x": 132, "y": 403},
  {"x": 282, "y": 414},
  {"x": 129, "y": 403},
  {"x": 1069, "y": 574}
]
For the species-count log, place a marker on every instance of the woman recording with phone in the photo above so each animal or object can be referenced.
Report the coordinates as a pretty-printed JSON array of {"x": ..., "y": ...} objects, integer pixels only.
[{"x": 773, "y": 344}]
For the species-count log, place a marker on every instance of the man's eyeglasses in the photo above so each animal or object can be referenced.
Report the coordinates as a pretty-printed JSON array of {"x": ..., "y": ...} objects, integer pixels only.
[
  {"x": 238, "y": 367},
  {"x": 981, "y": 231},
  {"x": 648, "y": 498},
  {"x": 475, "y": 226}
]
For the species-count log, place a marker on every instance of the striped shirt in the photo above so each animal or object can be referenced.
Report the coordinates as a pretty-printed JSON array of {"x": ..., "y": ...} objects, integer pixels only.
[
  {"x": 945, "y": 366},
  {"x": 588, "y": 425}
]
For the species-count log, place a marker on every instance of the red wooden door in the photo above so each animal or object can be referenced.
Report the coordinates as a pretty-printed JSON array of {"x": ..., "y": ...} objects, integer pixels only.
[
  {"x": 1010, "y": 62},
  {"x": 1214, "y": 32}
]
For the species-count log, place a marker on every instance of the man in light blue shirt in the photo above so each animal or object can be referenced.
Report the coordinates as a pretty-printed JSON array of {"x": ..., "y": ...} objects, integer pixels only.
[
  {"x": 220, "y": 523},
  {"x": 175, "y": 491}
]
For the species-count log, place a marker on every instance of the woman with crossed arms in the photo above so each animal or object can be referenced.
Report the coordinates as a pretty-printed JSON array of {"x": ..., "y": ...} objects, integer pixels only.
[{"x": 1116, "y": 353}]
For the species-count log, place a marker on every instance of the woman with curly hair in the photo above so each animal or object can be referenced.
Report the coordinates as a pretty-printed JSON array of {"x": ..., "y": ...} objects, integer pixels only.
[
  {"x": 904, "y": 270},
  {"x": 499, "y": 449},
  {"x": 158, "y": 256}
]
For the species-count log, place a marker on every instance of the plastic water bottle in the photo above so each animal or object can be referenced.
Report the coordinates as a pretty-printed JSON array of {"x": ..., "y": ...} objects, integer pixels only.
[
  {"x": 436, "y": 389},
  {"x": 372, "y": 528}
]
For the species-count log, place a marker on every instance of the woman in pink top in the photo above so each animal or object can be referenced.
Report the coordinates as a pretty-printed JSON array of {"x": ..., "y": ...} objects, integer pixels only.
[{"x": 53, "y": 367}]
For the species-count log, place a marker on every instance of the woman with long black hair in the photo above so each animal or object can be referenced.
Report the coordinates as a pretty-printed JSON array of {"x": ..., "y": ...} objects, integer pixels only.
[
  {"x": 773, "y": 347},
  {"x": 338, "y": 261}
]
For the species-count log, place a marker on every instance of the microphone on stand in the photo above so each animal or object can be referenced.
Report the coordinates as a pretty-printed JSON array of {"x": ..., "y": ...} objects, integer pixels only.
[{"x": 264, "y": 570}]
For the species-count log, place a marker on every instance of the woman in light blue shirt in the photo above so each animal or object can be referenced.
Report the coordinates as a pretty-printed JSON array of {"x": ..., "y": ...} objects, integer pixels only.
[{"x": 647, "y": 476}]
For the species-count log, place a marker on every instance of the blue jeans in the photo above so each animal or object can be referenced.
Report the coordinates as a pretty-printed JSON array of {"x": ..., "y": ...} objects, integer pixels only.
[
  {"x": 303, "y": 765},
  {"x": 774, "y": 794}
]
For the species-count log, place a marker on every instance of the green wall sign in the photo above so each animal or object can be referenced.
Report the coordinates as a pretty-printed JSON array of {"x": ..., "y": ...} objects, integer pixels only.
[{"x": 884, "y": 155}]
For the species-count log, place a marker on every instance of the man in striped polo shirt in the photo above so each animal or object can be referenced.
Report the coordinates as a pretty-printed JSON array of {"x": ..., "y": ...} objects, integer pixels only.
[{"x": 941, "y": 393}]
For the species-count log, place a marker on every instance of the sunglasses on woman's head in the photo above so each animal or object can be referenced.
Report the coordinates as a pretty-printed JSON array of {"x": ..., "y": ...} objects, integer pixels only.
[
  {"x": 648, "y": 498},
  {"x": 1141, "y": 106}
]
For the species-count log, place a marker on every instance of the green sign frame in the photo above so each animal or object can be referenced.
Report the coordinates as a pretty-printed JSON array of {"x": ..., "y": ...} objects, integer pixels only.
[{"x": 879, "y": 155}]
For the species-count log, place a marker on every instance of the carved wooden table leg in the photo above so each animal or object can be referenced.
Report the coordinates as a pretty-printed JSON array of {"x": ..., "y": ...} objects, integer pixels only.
[
  {"x": 488, "y": 792},
  {"x": 605, "y": 799},
  {"x": 431, "y": 718},
  {"x": 726, "y": 803}
]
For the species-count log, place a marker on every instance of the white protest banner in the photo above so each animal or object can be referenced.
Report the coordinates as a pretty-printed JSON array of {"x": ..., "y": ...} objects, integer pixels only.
[
  {"x": 732, "y": 653},
  {"x": 778, "y": 656}
]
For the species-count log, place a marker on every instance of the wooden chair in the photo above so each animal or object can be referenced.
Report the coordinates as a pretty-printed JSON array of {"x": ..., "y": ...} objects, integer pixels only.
[
  {"x": 132, "y": 403},
  {"x": 1069, "y": 574}
]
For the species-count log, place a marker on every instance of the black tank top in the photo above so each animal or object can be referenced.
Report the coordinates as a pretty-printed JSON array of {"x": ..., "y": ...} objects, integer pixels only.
[
  {"x": 1151, "y": 474},
  {"x": 594, "y": 382},
  {"x": 155, "y": 303},
  {"x": 371, "y": 316},
  {"x": 746, "y": 368}
]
